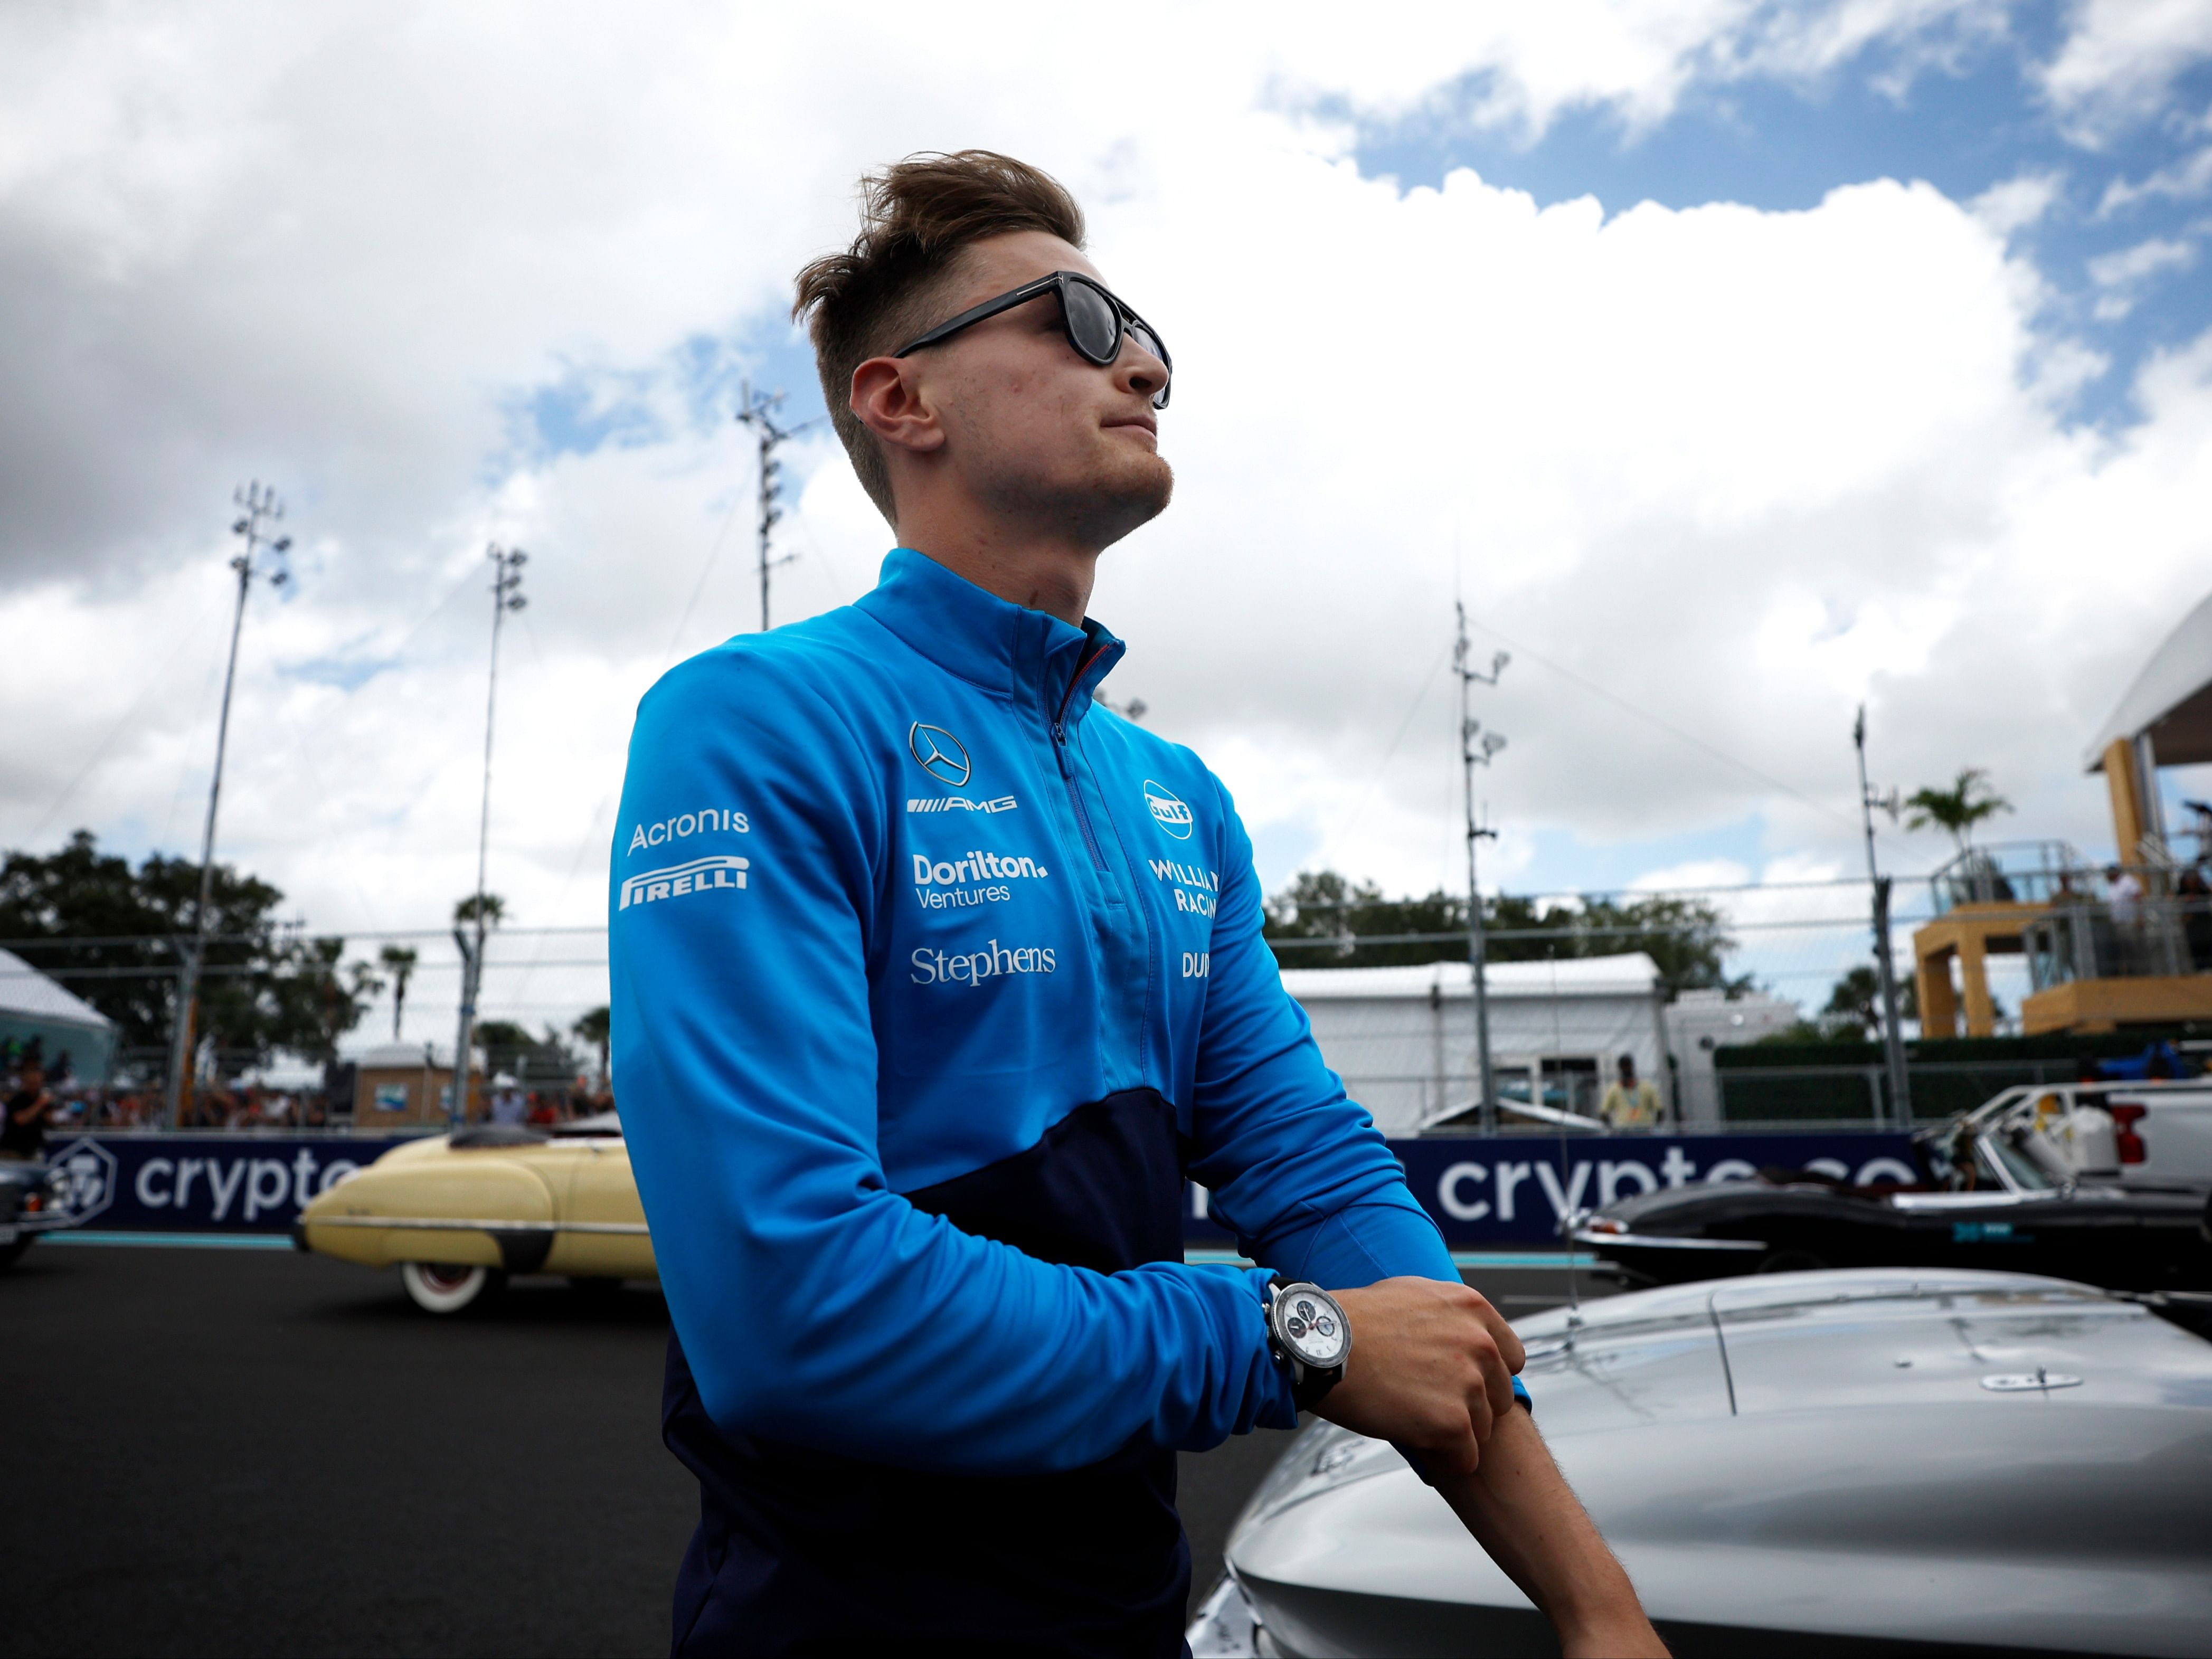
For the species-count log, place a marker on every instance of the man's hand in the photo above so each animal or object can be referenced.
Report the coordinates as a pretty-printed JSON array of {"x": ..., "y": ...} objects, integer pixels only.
[{"x": 1432, "y": 1367}]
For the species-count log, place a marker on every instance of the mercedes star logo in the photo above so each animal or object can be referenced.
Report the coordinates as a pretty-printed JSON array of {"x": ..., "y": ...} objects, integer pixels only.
[{"x": 939, "y": 753}]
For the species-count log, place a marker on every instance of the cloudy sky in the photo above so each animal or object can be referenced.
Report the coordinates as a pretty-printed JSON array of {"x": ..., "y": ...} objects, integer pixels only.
[{"x": 1737, "y": 363}]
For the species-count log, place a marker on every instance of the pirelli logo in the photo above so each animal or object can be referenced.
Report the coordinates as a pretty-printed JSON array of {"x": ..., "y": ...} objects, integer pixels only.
[{"x": 699, "y": 876}]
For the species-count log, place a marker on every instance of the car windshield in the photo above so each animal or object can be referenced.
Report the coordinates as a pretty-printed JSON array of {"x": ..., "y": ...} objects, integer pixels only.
[{"x": 2021, "y": 1168}]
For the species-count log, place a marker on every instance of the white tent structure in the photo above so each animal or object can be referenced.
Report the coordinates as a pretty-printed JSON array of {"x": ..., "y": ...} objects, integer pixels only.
[
  {"x": 32, "y": 1006},
  {"x": 1403, "y": 1038}
]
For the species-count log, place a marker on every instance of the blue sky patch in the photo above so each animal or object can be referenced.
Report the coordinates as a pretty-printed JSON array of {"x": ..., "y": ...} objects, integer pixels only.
[
  {"x": 2125, "y": 263},
  {"x": 347, "y": 673}
]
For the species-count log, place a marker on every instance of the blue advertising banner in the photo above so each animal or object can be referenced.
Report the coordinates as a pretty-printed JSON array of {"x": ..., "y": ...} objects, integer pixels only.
[
  {"x": 1506, "y": 1189},
  {"x": 1514, "y": 1189},
  {"x": 204, "y": 1183}
]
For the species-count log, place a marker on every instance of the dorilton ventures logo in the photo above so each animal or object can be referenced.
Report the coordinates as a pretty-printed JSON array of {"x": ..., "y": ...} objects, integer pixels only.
[
  {"x": 939, "y": 754},
  {"x": 976, "y": 866},
  {"x": 1168, "y": 811},
  {"x": 699, "y": 876},
  {"x": 975, "y": 967}
]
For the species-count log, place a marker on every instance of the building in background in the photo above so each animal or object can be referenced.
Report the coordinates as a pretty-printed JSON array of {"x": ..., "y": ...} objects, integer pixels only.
[
  {"x": 1698, "y": 1023},
  {"x": 1403, "y": 1038},
  {"x": 2127, "y": 945},
  {"x": 397, "y": 1086}
]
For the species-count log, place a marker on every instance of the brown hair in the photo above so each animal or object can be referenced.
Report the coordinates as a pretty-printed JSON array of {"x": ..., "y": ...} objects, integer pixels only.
[{"x": 917, "y": 217}]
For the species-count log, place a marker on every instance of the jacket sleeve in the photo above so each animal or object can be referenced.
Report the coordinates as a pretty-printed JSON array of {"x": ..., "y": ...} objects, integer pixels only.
[
  {"x": 814, "y": 1304},
  {"x": 1298, "y": 1170}
]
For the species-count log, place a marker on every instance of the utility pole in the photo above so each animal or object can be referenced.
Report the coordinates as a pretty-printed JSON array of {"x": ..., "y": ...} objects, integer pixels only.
[
  {"x": 260, "y": 510},
  {"x": 1892, "y": 1040},
  {"x": 1473, "y": 755},
  {"x": 759, "y": 414},
  {"x": 507, "y": 580}
]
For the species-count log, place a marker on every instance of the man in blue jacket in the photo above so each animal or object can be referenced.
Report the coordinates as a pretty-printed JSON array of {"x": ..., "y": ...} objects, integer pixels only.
[{"x": 932, "y": 980}]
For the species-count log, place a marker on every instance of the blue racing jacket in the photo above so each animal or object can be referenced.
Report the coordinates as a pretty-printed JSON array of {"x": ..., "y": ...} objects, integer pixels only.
[{"x": 932, "y": 979}]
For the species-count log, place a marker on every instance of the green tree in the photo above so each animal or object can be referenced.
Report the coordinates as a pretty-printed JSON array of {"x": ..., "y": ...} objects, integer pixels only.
[
  {"x": 509, "y": 1048},
  {"x": 1688, "y": 938},
  {"x": 1967, "y": 802},
  {"x": 116, "y": 936},
  {"x": 1855, "y": 1002},
  {"x": 1321, "y": 904},
  {"x": 494, "y": 908},
  {"x": 595, "y": 1026},
  {"x": 399, "y": 961}
]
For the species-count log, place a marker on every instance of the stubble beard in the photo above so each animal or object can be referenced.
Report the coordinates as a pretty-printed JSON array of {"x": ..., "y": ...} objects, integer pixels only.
[{"x": 1122, "y": 490}]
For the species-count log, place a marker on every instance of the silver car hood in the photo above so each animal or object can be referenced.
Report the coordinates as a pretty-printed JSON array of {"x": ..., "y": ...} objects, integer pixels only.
[{"x": 1969, "y": 1457}]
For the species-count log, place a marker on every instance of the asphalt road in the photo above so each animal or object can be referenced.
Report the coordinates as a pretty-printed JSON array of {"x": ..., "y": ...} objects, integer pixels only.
[{"x": 224, "y": 1452}]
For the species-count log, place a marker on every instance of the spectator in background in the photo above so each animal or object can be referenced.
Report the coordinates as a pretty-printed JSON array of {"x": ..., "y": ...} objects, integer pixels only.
[
  {"x": 541, "y": 1110},
  {"x": 29, "y": 1110},
  {"x": 2195, "y": 895},
  {"x": 2124, "y": 895},
  {"x": 508, "y": 1104},
  {"x": 1629, "y": 1103}
]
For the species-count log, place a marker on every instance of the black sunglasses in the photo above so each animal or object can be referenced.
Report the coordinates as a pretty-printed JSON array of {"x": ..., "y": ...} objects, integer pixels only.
[{"x": 1094, "y": 318}]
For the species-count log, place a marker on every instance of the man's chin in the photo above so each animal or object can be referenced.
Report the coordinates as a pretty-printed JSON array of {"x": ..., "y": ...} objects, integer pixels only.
[{"x": 1131, "y": 495}]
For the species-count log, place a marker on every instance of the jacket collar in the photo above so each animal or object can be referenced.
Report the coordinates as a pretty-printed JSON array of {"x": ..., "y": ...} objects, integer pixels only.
[{"x": 1028, "y": 655}]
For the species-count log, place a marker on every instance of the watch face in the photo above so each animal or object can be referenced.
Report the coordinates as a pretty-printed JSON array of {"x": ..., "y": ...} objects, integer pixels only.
[{"x": 1313, "y": 1328}]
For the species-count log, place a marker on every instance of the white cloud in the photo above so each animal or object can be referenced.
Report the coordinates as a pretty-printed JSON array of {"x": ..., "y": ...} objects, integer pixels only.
[
  {"x": 2016, "y": 203},
  {"x": 1740, "y": 469},
  {"x": 2119, "y": 60},
  {"x": 2189, "y": 177}
]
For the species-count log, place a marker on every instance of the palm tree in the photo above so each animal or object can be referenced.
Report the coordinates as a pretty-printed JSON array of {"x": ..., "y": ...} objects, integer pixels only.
[
  {"x": 1958, "y": 808},
  {"x": 592, "y": 1027},
  {"x": 494, "y": 908},
  {"x": 400, "y": 959}
]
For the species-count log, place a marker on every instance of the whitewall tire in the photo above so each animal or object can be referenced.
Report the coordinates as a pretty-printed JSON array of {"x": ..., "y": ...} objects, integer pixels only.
[{"x": 441, "y": 1287}]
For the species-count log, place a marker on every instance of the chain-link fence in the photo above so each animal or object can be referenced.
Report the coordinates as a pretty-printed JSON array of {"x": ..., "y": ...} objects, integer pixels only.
[{"x": 1782, "y": 966}]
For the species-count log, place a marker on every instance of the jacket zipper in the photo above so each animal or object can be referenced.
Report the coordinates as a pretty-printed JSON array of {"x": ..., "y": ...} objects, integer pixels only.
[{"x": 1067, "y": 766}]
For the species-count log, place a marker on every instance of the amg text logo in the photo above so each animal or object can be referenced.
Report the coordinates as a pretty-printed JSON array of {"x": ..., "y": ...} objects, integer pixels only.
[{"x": 955, "y": 803}]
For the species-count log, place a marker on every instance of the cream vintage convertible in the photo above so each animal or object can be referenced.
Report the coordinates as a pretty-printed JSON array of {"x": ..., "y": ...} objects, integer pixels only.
[{"x": 458, "y": 1213}]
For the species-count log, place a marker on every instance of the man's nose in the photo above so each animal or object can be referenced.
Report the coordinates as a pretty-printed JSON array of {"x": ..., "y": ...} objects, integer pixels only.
[{"x": 1137, "y": 370}]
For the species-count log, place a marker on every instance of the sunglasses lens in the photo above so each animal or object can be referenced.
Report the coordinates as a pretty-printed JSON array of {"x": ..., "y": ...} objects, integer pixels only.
[{"x": 1092, "y": 323}]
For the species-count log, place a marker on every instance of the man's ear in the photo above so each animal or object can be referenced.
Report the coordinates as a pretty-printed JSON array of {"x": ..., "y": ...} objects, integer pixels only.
[{"x": 888, "y": 399}]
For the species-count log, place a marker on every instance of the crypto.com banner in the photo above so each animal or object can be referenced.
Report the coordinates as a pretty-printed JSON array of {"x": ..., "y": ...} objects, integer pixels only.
[
  {"x": 1514, "y": 1190},
  {"x": 1507, "y": 1190},
  {"x": 204, "y": 1183}
]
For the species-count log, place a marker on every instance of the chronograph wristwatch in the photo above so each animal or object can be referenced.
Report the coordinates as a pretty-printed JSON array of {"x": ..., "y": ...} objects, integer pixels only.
[{"x": 1309, "y": 1336}]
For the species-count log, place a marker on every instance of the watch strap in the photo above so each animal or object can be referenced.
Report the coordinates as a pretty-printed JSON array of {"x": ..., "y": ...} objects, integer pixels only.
[{"x": 1309, "y": 1385}]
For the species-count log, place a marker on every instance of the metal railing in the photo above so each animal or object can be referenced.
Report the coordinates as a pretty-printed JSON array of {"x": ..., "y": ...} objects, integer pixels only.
[
  {"x": 2011, "y": 873},
  {"x": 2163, "y": 935}
]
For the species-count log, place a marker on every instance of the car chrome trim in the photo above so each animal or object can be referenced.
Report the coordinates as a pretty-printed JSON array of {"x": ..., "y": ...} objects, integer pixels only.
[
  {"x": 461, "y": 1225},
  {"x": 1654, "y": 1241},
  {"x": 1931, "y": 1203},
  {"x": 2037, "y": 1381}
]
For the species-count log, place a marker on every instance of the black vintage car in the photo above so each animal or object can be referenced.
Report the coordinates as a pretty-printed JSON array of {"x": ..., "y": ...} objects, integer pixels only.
[
  {"x": 31, "y": 1202},
  {"x": 1993, "y": 1193}
]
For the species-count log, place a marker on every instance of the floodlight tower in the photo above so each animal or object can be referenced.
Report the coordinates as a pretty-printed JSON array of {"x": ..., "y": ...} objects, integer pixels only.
[
  {"x": 1473, "y": 755},
  {"x": 505, "y": 596},
  {"x": 1892, "y": 1040},
  {"x": 260, "y": 509},
  {"x": 759, "y": 414}
]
